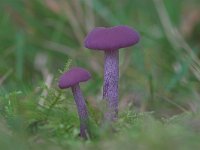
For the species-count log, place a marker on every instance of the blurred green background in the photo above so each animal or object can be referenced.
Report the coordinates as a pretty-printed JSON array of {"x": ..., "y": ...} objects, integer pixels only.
[{"x": 159, "y": 77}]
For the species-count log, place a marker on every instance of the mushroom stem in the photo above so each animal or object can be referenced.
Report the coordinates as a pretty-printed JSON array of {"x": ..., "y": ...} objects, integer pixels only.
[
  {"x": 110, "y": 87},
  {"x": 82, "y": 110}
]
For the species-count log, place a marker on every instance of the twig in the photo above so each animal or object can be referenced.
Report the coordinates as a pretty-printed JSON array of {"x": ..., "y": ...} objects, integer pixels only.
[
  {"x": 8, "y": 73},
  {"x": 60, "y": 48},
  {"x": 176, "y": 38},
  {"x": 78, "y": 11},
  {"x": 66, "y": 9},
  {"x": 173, "y": 103},
  {"x": 89, "y": 15}
]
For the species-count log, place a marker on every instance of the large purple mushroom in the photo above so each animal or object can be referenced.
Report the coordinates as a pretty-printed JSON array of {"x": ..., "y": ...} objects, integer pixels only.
[
  {"x": 110, "y": 40},
  {"x": 72, "y": 78}
]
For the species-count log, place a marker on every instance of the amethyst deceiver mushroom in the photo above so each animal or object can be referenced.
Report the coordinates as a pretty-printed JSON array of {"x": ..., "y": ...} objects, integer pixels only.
[
  {"x": 72, "y": 78},
  {"x": 110, "y": 40}
]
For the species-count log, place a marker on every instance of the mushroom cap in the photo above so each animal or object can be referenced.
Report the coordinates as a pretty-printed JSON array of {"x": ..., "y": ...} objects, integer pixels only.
[
  {"x": 73, "y": 77},
  {"x": 112, "y": 38}
]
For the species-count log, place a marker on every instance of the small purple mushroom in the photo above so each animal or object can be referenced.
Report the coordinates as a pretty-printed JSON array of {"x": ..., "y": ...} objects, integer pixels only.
[
  {"x": 110, "y": 40},
  {"x": 72, "y": 78}
]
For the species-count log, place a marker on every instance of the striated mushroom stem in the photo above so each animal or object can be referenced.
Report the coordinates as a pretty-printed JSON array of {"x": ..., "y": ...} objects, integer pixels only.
[
  {"x": 82, "y": 110},
  {"x": 110, "y": 87},
  {"x": 110, "y": 40}
]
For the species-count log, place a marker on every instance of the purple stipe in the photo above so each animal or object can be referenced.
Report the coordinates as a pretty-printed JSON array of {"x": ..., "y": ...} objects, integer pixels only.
[
  {"x": 82, "y": 110},
  {"x": 110, "y": 87},
  {"x": 110, "y": 40},
  {"x": 72, "y": 78}
]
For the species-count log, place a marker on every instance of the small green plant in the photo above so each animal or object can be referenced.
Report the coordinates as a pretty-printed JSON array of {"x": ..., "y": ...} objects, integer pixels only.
[{"x": 66, "y": 66}]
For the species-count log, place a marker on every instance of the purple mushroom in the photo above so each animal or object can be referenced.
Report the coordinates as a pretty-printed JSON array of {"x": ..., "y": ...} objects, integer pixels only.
[
  {"x": 110, "y": 40},
  {"x": 72, "y": 78}
]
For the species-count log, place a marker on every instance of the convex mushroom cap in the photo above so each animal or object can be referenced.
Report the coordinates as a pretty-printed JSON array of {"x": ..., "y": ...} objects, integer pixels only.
[
  {"x": 73, "y": 77},
  {"x": 113, "y": 38}
]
